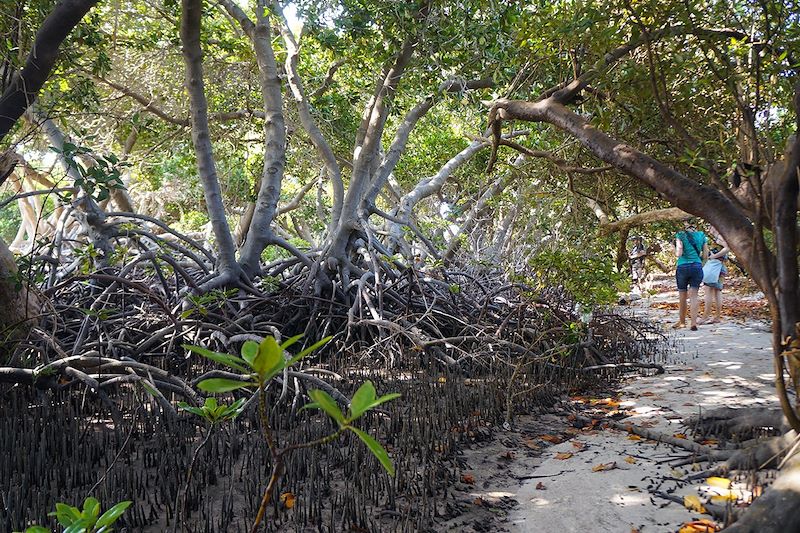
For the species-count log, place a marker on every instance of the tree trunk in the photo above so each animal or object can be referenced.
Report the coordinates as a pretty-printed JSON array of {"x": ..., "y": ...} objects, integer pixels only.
[
  {"x": 260, "y": 233},
  {"x": 193, "y": 59},
  {"x": 324, "y": 149},
  {"x": 687, "y": 194},
  {"x": 25, "y": 85},
  {"x": 18, "y": 306},
  {"x": 497, "y": 186}
]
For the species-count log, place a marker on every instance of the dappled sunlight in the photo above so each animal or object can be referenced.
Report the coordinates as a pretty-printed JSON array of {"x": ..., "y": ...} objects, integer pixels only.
[
  {"x": 540, "y": 502},
  {"x": 728, "y": 365},
  {"x": 646, "y": 410},
  {"x": 631, "y": 498},
  {"x": 493, "y": 495}
]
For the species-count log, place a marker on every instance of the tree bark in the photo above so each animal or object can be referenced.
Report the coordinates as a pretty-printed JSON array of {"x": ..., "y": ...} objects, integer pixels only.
[
  {"x": 365, "y": 153},
  {"x": 260, "y": 232},
  {"x": 640, "y": 219},
  {"x": 193, "y": 59},
  {"x": 426, "y": 188},
  {"x": 26, "y": 84},
  {"x": 307, "y": 120},
  {"x": 694, "y": 198},
  {"x": 18, "y": 307},
  {"x": 497, "y": 186}
]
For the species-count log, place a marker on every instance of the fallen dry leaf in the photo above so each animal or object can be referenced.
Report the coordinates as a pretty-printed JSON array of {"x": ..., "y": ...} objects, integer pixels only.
[
  {"x": 563, "y": 455},
  {"x": 634, "y": 437},
  {"x": 648, "y": 393},
  {"x": 578, "y": 445},
  {"x": 709, "y": 442},
  {"x": 531, "y": 444},
  {"x": 604, "y": 466},
  {"x": 630, "y": 460},
  {"x": 724, "y": 498},
  {"x": 478, "y": 501},
  {"x": 287, "y": 499},
  {"x": 540, "y": 486},
  {"x": 693, "y": 503},
  {"x": 679, "y": 474},
  {"x": 679, "y": 435},
  {"x": 605, "y": 402},
  {"x": 699, "y": 526},
  {"x": 551, "y": 438},
  {"x": 469, "y": 479}
]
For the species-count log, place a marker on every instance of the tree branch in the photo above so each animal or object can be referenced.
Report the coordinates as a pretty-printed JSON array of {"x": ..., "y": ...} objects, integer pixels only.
[{"x": 25, "y": 84}]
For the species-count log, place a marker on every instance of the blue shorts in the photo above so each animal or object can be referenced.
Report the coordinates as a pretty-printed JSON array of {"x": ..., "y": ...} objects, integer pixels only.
[
  {"x": 689, "y": 275},
  {"x": 717, "y": 285}
]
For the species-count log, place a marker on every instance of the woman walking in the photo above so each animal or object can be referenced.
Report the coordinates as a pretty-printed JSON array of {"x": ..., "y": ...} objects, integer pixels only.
[
  {"x": 691, "y": 249},
  {"x": 713, "y": 273}
]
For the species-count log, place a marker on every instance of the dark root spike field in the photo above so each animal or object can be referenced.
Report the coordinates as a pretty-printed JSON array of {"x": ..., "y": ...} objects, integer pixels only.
[{"x": 469, "y": 351}]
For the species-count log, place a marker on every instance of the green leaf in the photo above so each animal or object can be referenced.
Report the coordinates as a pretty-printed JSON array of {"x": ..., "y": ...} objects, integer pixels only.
[
  {"x": 311, "y": 405},
  {"x": 376, "y": 449},
  {"x": 290, "y": 341},
  {"x": 66, "y": 514},
  {"x": 327, "y": 404},
  {"x": 79, "y": 526},
  {"x": 233, "y": 410},
  {"x": 225, "y": 359},
  {"x": 210, "y": 403},
  {"x": 362, "y": 400},
  {"x": 110, "y": 516},
  {"x": 270, "y": 358},
  {"x": 385, "y": 398},
  {"x": 250, "y": 351},
  {"x": 37, "y": 529},
  {"x": 308, "y": 350},
  {"x": 194, "y": 410},
  {"x": 91, "y": 507},
  {"x": 223, "y": 385}
]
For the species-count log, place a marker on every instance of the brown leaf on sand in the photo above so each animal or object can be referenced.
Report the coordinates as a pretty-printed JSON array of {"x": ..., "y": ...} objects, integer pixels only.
[
  {"x": 540, "y": 486},
  {"x": 529, "y": 443},
  {"x": 469, "y": 479},
  {"x": 630, "y": 460},
  {"x": 563, "y": 455},
  {"x": 551, "y": 438},
  {"x": 699, "y": 526},
  {"x": 604, "y": 466},
  {"x": 693, "y": 503},
  {"x": 578, "y": 445}
]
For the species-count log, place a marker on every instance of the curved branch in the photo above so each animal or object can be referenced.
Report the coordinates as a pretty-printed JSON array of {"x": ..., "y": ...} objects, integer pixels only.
[
  {"x": 693, "y": 197},
  {"x": 206, "y": 167},
  {"x": 306, "y": 119},
  {"x": 640, "y": 219},
  {"x": 25, "y": 84}
]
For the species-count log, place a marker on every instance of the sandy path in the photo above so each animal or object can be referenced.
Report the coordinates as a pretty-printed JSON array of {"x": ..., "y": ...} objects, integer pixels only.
[{"x": 728, "y": 364}]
